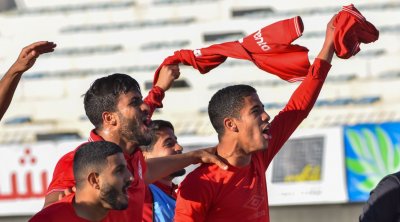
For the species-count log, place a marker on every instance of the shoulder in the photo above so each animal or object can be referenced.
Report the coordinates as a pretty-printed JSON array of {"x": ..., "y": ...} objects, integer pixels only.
[
  {"x": 69, "y": 157},
  {"x": 53, "y": 212},
  {"x": 66, "y": 160},
  {"x": 388, "y": 189},
  {"x": 63, "y": 173},
  {"x": 206, "y": 172},
  {"x": 389, "y": 183},
  {"x": 204, "y": 178}
]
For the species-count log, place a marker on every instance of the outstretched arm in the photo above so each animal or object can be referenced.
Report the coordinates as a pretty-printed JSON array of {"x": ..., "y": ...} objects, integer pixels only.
[
  {"x": 25, "y": 61},
  {"x": 160, "y": 167}
]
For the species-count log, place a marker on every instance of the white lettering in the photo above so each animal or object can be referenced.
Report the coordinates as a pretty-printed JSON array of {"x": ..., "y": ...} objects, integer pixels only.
[{"x": 260, "y": 41}]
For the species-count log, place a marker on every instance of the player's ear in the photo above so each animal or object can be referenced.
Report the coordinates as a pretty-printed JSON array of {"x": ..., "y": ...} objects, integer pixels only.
[
  {"x": 109, "y": 118},
  {"x": 230, "y": 124},
  {"x": 93, "y": 180}
]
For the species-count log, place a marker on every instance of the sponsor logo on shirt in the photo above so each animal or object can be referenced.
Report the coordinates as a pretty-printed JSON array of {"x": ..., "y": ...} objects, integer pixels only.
[
  {"x": 254, "y": 202},
  {"x": 260, "y": 41},
  {"x": 197, "y": 52}
]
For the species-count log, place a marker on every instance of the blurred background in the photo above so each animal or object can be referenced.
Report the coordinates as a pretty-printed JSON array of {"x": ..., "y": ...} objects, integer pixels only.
[{"x": 325, "y": 171}]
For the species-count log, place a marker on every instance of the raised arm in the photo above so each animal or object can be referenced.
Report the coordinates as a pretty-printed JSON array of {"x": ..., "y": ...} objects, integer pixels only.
[
  {"x": 25, "y": 61},
  {"x": 303, "y": 98},
  {"x": 327, "y": 50},
  {"x": 167, "y": 76}
]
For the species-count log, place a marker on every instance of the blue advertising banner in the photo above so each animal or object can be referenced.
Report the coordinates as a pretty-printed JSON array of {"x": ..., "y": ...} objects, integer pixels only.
[{"x": 372, "y": 151}]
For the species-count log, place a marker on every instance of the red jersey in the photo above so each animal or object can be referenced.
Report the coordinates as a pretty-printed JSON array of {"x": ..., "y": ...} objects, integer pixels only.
[
  {"x": 240, "y": 194},
  {"x": 148, "y": 200},
  {"x": 352, "y": 29},
  {"x": 60, "y": 211},
  {"x": 270, "y": 49},
  {"x": 63, "y": 176}
]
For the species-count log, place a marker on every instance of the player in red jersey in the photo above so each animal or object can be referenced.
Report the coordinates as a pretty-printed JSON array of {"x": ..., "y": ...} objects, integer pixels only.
[
  {"x": 248, "y": 141},
  {"x": 26, "y": 59},
  {"x": 115, "y": 107},
  {"x": 160, "y": 198},
  {"x": 102, "y": 180}
]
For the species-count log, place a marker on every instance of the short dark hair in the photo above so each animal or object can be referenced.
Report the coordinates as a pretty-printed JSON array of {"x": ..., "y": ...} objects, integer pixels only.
[
  {"x": 155, "y": 126},
  {"x": 227, "y": 102},
  {"x": 92, "y": 156},
  {"x": 103, "y": 94}
]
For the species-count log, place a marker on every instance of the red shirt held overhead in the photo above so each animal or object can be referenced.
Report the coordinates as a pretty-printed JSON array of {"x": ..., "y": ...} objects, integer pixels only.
[
  {"x": 270, "y": 49},
  {"x": 351, "y": 30},
  {"x": 240, "y": 194}
]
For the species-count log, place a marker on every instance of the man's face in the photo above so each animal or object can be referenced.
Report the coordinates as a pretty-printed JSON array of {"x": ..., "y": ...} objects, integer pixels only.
[
  {"x": 114, "y": 182},
  {"x": 253, "y": 125},
  {"x": 167, "y": 145},
  {"x": 132, "y": 114}
]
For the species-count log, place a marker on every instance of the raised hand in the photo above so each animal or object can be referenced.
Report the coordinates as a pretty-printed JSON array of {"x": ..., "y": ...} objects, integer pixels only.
[
  {"x": 25, "y": 61},
  {"x": 29, "y": 54},
  {"x": 167, "y": 76}
]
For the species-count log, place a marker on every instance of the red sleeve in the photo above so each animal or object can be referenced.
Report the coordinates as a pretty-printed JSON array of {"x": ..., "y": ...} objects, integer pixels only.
[
  {"x": 63, "y": 175},
  {"x": 154, "y": 99},
  {"x": 297, "y": 109},
  {"x": 194, "y": 198}
]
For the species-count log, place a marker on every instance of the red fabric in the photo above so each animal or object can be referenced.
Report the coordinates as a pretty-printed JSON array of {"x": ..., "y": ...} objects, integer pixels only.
[
  {"x": 63, "y": 176},
  {"x": 61, "y": 211},
  {"x": 240, "y": 194},
  {"x": 269, "y": 48},
  {"x": 136, "y": 192},
  {"x": 148, "y": 206},
  {"x": 351, "y": 30},
  {"x": 154, "y": 99},
  {"x": 148, "y": 200}
]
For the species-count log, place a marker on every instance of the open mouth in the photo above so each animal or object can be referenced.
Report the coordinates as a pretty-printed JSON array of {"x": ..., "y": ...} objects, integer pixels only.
[{"x": 266, "y": 133}]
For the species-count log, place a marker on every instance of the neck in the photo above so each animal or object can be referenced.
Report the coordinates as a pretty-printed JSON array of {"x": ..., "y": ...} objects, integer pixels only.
[
  {"x": 231, "y": 152},
  {"x": 87, "y": 208},
  {"x": 115, "y": 137}
]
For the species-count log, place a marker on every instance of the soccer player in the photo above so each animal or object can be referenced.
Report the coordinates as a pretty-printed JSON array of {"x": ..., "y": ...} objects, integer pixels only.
[
  {"x": 248, "y": 141},
  {"x": 25, "y": 60},
  {"x": 160, "y": 196},
  {"x": 102, "y": 180},
  {"x": 115, "y": 107}
]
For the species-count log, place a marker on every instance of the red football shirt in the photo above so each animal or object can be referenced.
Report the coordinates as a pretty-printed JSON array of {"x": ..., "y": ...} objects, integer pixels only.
[
  {"x": 240, "y": 194},
  {"x": 270, "y": 49},
  {"x": 61, "y": 211},
  {"x": 63, "y": 176}
]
